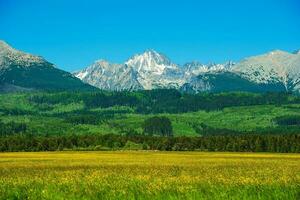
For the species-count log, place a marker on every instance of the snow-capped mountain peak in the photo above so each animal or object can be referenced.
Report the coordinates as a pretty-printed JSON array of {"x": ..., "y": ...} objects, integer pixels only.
[
  {"x": 151, "y": 55},
  {"x": 155, "y": 70},
  {"x": 150, "y": 61},
  {"x": 102, "y": 63}
]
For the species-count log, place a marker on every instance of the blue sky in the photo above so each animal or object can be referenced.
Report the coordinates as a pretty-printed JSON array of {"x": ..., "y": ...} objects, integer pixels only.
[{"x": 72, "y": 34}]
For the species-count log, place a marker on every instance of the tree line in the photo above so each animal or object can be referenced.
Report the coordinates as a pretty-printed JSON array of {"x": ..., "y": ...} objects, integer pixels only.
[
  {"x": 164, "y": 100},
  {"x": 289, "y": 120},
  {"x": 12, "y": 128},
  {"x": 289, "y": 143},
  {"x": 161, "y": 126}
]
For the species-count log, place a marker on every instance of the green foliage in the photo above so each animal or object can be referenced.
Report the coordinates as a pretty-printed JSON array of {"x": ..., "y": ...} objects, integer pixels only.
[
  {"x": 239, "y": 143},
  {"x": 43, "y": 77},
  {"x": 101, "y": 148},
  {"x": 12, "y": 128},
  {"x": 125, "y": 113},
  {"x": 83, "y": 119},
  {"x": 132, "y": 146},
  {"x": 163, "y": 101},
  {"x": 158, "y": 126},
  {"x": 288, "y": 120},
  {"x": 207, "y": 130},
  {"x": 228, "y": 82}
]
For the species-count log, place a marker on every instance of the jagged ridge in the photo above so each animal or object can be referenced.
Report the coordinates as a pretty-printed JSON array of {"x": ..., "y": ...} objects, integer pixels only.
[
  {"x": 149, "y": 70},
  {"x": 274, "y": 71}
]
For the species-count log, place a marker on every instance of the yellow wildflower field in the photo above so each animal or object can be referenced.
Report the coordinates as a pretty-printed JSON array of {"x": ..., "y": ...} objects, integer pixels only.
[{"x": 149, "y": 175}]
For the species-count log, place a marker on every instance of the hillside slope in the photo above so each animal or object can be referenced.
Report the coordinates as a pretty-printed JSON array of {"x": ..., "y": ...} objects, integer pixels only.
[{"x": 21, "y": 71}]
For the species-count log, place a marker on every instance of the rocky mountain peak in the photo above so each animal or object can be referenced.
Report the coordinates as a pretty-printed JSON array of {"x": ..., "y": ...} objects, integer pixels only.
[
  {"x": 149, "y": 61},
  {"x": 150, "y": 69},
  {"x": 277, "y": 53},
  {"x": 102, "y": 63},
  {"x": 9, "y": 56},
  {"x": 3, "y": 45},
  {"x": 192, "y": 64}
]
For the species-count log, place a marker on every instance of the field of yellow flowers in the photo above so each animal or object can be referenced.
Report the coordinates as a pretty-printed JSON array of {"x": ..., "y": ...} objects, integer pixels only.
[{"x": 149, "y": 175}]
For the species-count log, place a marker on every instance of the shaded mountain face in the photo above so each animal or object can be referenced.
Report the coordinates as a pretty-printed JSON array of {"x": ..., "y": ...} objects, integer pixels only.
[
  {"x": 274, "y": 71},
  {"x": 21, "y": 71},
  {"x": 227, "y": 82}
]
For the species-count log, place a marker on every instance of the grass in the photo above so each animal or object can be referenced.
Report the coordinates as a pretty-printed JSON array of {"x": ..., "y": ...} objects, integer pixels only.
[{"x": 149, "y": 175}]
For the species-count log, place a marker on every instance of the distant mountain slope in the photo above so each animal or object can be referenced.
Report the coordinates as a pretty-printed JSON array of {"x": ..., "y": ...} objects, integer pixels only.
[
  {"x": 226, "y": 82},
  {"x": 21, "y": 71},
  {"x": 276, "y": 67},
  {"x": 108, "y": 76},
  {"x": 274, "y": 71}
]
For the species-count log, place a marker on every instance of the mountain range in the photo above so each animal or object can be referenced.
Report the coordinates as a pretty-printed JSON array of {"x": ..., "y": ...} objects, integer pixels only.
[
  {"x": 149, "y": 70},
  {"x": 273, "y": 71}
]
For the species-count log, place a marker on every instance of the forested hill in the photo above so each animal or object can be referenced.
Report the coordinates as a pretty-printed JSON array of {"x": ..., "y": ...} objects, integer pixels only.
[
  {"x": 51, "y": 119},
  {"x": 20, "y": 71},
  {"x": 164, "y": 100},
  {"x": 130, "y": 113}
]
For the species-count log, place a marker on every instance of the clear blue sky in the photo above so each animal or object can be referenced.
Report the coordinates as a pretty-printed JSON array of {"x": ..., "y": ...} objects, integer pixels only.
[{"x": 72, "y": 34}]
